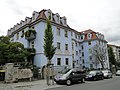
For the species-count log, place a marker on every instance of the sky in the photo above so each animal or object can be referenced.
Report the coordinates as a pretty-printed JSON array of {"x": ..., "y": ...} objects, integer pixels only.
[{"x": 99, "y": 15}]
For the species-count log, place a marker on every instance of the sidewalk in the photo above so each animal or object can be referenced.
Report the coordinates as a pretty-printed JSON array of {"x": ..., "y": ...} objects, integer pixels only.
[{"x": 33, "y": 85}]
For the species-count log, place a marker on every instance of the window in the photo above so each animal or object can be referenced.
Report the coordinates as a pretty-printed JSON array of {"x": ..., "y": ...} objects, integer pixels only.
[
  {"x": 58, "y": 45},
  {"x": 76, "y": 52},
  {"x": 32, "y": 44},
  {"x": 66, "y": 33},
  {"x": 17, "y": 37},
  {"x": 89, "y": 42},
  {"x": 33, "y": 16},
  {"x": 82, "y": 47},
  {"x": 79, "y": 51},
  {"x": 81, "y": 37},
  {"x": 89, "y": 35},
  {"x": 80, "y": 58},
  {"x": 90, "y": 57},
  {"x": 33, "y": 27},
  {"x": 71, "y": 33},
  {"x": 83, "y": 61},
  {"x": 91, "y": 65},
  {"x": 66, "y": 46},
  {"x": 72, "y": 45},
  {"x": 90, "y": 50},
  {"x": 57, "y": 18},
  {"x": 58, "y": 61},
  {"x": 73, "y": 56},
  {"x": 75, "y": 36},
  {"x": 22, "y": 34},
  {"x": 76, "y": 44},
  {"x": 58, "y": 31},
  {"x": 67, "y": 61},
  {"x": 79, "y": 44},
  {"x": 83, "y": 54},
  {"x": 64, "y": 21},
  {"x": 77, "y": 62},
  {"x": 49, "y": 14}
]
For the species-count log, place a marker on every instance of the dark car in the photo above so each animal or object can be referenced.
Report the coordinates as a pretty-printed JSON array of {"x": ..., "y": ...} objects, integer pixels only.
[
  {"x": 95, "y": 75},
  {"x": 69, "y": 76}
]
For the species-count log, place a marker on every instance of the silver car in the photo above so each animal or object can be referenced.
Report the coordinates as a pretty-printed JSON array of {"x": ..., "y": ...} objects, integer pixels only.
[
  {"x": 118, "y": 73},
  {"x": 107, "y": 73}
]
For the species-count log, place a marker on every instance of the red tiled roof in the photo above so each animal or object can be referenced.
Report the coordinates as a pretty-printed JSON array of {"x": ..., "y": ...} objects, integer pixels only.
[
  {"x": 94, "y": 36},
  {"x": 42, "y": 14}
]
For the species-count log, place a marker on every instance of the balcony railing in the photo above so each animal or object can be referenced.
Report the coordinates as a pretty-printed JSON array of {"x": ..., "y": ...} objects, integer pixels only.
[
  {"x": 30, "y": 34},
  {"x": 31, "y": 50}
]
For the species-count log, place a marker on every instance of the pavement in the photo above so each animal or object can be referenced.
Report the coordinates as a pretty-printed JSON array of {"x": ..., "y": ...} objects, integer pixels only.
[
  {"x": 28, "y": 85},
  {"x": 106, "y": 84}
]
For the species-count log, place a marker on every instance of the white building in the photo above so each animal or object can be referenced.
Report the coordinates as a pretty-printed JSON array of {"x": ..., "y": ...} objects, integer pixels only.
[
  {"x": 116, "y": 51},
  {"x": 68, "y": 41}
]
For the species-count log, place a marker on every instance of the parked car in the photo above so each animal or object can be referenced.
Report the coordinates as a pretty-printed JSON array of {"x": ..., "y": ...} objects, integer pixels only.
[
  {"x": 69, "y": 76},
  {"x": 107, "y": 73},
  {"x": 95, "y": 75},
  {"x": 118, "y": 73}
]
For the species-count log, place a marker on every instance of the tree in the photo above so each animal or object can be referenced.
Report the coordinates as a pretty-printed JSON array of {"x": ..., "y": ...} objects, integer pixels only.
[
  {"x": 49, "y": 49},
  {"x": 11, "y": 52},
  {"x": 4, "y": 39},
  {"x": 99, "y": 54},
  {"x": 111, "y": 56}
]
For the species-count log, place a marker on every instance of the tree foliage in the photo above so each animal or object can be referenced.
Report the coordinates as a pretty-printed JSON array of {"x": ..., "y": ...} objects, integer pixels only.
[
  {"x": 11, "y": 52},
  {"x": 99, "y": 54},
  {"x": 111, "y": 56},
  {"x": 4, "y": 39},
  {"x": 49, "y": 49}
]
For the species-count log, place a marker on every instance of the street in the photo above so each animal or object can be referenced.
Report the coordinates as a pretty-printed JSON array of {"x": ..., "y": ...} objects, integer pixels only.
[{"x": 106, "y": 84}]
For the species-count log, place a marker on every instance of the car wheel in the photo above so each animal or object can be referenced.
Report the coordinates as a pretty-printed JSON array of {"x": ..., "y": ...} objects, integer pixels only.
[
  {"x": 102, "y": 78},
  {"x": 83, "y": 80},
  {"x": 94, "y": 78},
  {"x": 57, "y": 82},
  {"x": 68, "y": 82}
]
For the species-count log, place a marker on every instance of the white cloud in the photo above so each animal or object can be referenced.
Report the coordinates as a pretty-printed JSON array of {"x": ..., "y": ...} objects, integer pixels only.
[{"x": 99, "y": 15}]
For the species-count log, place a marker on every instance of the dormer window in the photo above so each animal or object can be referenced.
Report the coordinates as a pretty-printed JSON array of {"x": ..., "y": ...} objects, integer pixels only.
[
  {"x": 89, "y": 35},
  {"x": 64, "y": 21},
  {"x": 57, "y": 18},
  {"x": 81, "y": 37},
  {"x": 58, "y": 31},
  {"x": 66, "y": 33},
  {"x": 76, "y": 36},
  {"x": 33, "y": 17},
  {"x": 49, "y": 14}
]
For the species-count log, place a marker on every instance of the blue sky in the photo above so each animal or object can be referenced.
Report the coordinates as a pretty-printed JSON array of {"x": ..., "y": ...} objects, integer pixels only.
[{"x": 100, "y": 15}]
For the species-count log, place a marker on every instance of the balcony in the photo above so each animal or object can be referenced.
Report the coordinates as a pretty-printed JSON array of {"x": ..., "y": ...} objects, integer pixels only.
[
  {"x": 31, "y": 51},
  {"x": 30, "y": 34}
]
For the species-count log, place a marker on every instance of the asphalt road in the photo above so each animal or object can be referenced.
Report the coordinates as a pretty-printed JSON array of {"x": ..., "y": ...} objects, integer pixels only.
[{"x": 106, "y": 84}]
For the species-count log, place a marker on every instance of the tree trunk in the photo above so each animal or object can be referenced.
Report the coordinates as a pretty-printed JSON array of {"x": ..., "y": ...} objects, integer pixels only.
[
  {"x": 102, "y": 64},
  {"x": 48, "y": 72}
]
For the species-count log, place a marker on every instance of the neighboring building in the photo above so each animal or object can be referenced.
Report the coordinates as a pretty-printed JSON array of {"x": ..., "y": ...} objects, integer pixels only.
[
  {"x": 90, "y": 39},
  {"x": 116, "y": 51},
  {"x": 72, "y": 46}
]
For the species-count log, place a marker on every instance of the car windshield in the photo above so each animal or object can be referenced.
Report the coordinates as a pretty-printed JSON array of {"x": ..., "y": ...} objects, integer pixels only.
[
  {"x": 64, "y": 71},
  {"x": 92, "y": 72}
]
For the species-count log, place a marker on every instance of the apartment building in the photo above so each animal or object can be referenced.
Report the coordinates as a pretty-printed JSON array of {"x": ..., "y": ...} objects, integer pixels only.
[
  {"x": 72, "y": 47},
  {"x": 91, "y": 40},
  {"x": 116, "y": 51}
]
